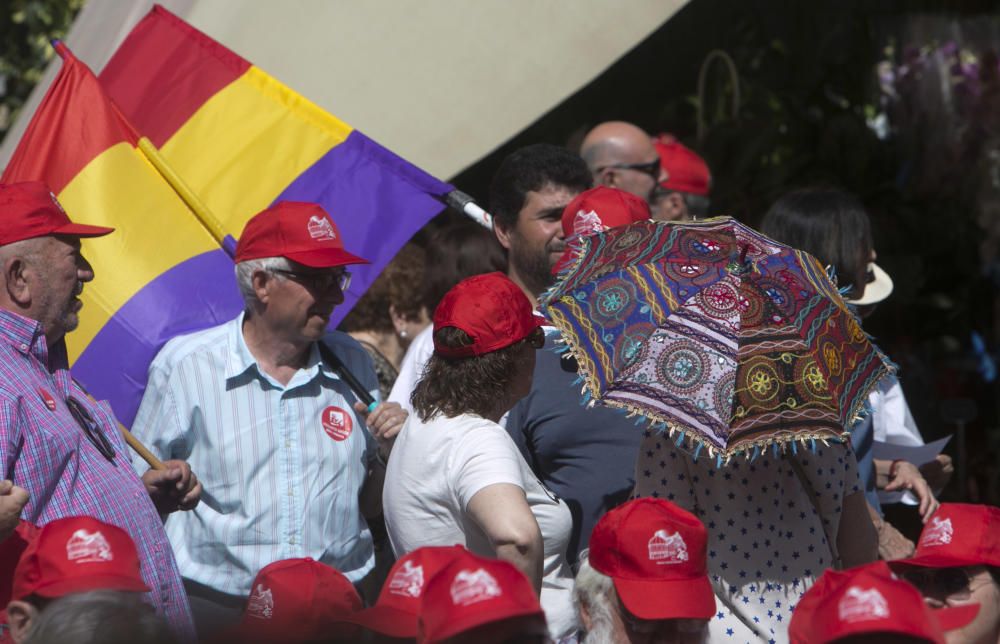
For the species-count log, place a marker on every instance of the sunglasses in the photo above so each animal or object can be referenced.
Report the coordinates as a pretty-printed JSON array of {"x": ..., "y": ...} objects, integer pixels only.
[
  {"x": 318, "y": 280},
  {"x": 652, "y": 168},
  {"x": 939, "y": 582},
  {"x": 91, "y": 428},
  {"x": 536, "y": 339}
]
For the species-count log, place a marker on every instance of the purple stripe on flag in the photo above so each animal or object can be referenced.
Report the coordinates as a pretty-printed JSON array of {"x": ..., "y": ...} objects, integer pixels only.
[
  {"x": 377, "y": 199},
  {"x": 196, "y": 294}
]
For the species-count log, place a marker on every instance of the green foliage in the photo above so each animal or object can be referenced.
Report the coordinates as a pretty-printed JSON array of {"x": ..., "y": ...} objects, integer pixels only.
[{"x": 26, "y": 28}]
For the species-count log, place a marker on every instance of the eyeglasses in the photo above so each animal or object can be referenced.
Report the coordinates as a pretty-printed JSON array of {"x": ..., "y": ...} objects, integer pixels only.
[
  {"x": 652, "y": 168},
  {"x": 319, "y": 280},
  {"x": 940, "y": 582},
  {"x": 91, "y": 428}
]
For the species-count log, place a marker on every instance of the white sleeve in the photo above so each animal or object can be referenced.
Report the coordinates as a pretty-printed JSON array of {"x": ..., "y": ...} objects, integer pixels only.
[
  {"x": 412, "y": 367},
  {"x": 483, "y": 456},
  {"x": 891, "y": 417}
]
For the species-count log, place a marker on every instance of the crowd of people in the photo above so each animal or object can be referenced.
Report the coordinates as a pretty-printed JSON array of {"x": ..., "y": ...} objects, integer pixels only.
[{"x": 429, "y": 473}]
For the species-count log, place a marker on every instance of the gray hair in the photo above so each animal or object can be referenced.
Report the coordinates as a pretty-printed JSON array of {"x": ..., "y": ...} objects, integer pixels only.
[
  {"x": 245, "y": 271},
  {"x": 593, "y": 590},
  {"x": 99, "y": 617}
]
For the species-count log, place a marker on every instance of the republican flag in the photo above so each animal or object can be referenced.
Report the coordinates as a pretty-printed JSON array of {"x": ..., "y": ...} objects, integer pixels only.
[
  {"x": 159, "y": 274},
  {"x": 232, "y": 140}
]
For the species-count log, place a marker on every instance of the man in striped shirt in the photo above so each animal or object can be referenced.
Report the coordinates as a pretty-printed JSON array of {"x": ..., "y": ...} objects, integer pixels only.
[
  {"x": 55, "y": 441},
  {"x": 290, "y": 460}
]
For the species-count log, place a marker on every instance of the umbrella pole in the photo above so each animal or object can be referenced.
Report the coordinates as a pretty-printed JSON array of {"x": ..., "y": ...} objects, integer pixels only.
[{"x": 141, "y": 449}]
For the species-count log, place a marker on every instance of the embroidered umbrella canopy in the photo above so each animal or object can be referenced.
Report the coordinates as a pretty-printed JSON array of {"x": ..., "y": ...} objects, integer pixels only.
[{"x": 713, "y": 331}]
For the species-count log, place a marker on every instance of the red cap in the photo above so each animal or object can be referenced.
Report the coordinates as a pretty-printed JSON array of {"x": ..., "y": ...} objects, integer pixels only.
[
  {"x": 491, "y": 309},
  {"x": 29, "y": 210},
  {"x": 77, "y": 554},
  {"x": 686, "y": 171},
  {"x": 299, "y": 231},
  {"x": 472, "y": 591},
  {"x": 959, "y": 534},
  {"x": 870, "y": 599},
  {"x": 298, "y": 600},
  {"x": 398, "y": 607},
  {"x": 601, "y": 208},
  {"x": 654, "y": 553}
]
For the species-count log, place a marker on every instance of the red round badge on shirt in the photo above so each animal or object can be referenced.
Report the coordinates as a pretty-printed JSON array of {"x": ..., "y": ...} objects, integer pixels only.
[{"x": 337, "y": 423}]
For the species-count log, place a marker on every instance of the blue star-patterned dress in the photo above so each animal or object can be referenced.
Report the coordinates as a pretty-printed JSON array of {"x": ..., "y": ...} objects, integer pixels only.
[{"x": 766, "y": 542}]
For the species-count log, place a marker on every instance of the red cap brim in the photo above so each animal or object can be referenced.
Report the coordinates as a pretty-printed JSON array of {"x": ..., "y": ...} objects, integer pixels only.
[
  {"x": 82, "y": 230},
  {"x": 663, "y": 599},
  {"x": 939, "y": 560},
  {"x": 951, "y": 617},
  {"x": 325, "y": 258},
  {"x": 70, "y": 585},
  {"x": 387, "y": 620}
]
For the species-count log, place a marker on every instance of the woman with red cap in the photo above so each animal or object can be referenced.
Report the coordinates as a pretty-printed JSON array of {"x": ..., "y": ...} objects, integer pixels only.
[{"x": 455, "y": 475}]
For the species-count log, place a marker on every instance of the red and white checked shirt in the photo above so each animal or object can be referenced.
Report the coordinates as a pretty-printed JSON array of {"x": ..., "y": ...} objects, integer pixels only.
[{"x": 45, "y": 451}]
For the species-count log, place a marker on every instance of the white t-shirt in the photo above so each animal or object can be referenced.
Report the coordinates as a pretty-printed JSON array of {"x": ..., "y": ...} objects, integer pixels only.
[
  {"x": 412, "y": 367},
  {"x": 438, "y": 466}
]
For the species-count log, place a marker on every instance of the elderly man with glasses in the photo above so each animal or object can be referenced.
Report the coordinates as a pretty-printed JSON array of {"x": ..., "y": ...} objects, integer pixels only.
[
  {"x": 59, "y": 446},
  {"x": 265, "y": 407},
  {"x": 621, "y": 155}
]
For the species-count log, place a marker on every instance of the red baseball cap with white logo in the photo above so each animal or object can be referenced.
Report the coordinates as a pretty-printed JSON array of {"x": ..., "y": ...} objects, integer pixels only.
[
  {"x": 491, "y": 309},
  {"x": 601, "y": 208},
  {"x": 296, "y": 230},
  {"x": 654, "y": 552},
  {"x": 959, "y": 534},
  {"x": 396, "y": 612},
  {"x": 77, "y": 554},
  {"x": 29, "y": 209},
  {"x": 473, "y": 591},
  {"x": 686, "y": 171},
  {"x": 298, "y": 600},
  {"x": 870, "y": 599}
]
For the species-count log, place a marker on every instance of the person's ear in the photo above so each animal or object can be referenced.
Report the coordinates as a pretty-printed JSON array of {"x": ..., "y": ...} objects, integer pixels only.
[
  {"x": 503, "y": 235},
  {"x": 261, "y": 283},
  {"x": 586, "y": 620},
  {"x": 21, "y": 616},
  {"x": 16, "y": 281}
]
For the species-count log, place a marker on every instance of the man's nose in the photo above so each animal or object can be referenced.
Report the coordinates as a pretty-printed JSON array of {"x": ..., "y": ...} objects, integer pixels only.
[{"x": 84, "y": 271}]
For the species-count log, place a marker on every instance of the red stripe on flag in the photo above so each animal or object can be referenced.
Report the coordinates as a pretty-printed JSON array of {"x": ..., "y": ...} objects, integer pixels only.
[
  {"x": 73, "y": 125},
  {"x": 183, "y": 68}
]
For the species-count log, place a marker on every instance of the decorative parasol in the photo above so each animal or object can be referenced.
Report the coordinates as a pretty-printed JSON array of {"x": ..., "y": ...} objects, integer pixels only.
[{"x": 714, "y": 332}]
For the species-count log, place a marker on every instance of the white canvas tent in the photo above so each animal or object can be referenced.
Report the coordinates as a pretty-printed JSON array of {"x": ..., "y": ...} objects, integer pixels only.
[{"x": 440, "y": 82}]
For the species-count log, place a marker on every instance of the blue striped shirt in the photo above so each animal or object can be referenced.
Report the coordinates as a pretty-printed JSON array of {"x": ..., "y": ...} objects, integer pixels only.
[{"x": 282, "y": 466}]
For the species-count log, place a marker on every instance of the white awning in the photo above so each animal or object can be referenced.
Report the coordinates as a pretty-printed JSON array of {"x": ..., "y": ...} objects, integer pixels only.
[{"x": 440, "y": 82}]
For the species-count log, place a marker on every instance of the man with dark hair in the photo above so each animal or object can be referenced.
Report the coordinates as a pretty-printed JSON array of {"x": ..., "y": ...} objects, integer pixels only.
[
  {"x": 586, "y": 456},
  {"x": 527, "y": 197}
]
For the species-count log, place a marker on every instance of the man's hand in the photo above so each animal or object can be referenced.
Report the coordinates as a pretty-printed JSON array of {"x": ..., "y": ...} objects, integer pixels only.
[
  {"x": 938, "y": 472},
  {"x": 384, "y": 422},
  {"x": 12, "y": 501},
  {"x": 892, "y": 544},
  {"x": 908, "y": 477},
  {"x": 172, "y": 489}
]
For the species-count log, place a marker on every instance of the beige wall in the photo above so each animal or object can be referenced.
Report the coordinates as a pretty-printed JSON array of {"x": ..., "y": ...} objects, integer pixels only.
[{"x": 440, "y": 82}]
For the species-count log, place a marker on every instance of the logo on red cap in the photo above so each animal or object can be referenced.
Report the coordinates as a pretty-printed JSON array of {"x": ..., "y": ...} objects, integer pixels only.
[
  {"x": 337, "y": 423},
  {"x": 587, "y": 222},
  {"x": 858, "y": 605},
  {"x": 88, "y": 547},
  {"x": 473, "y": 586},
  {"x": 261, "y": 603},
  {"x": 321, "y": 229},
  {"x": 667, "y": 548},
  {"x": 937, "y": 533},
  {"x": 408, "y": 581}
]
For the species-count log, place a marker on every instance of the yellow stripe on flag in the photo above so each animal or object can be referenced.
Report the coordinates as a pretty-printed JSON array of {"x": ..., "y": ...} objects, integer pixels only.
[
  {"x": 268, "y": 132},
  {"x": 155, "y": 232}
]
